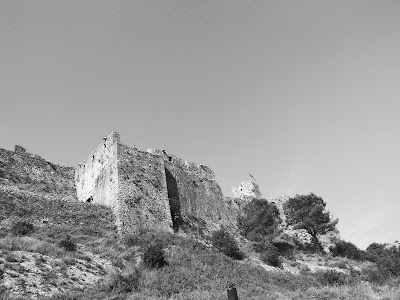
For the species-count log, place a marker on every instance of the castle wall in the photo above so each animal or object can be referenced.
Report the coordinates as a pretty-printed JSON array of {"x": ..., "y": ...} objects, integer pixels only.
[
  {"x": 200, "y": 195},
  {"x": 152, "y": 189},
  {"x": 142, "y": 196},
  {"x": 96, "y": 179}
]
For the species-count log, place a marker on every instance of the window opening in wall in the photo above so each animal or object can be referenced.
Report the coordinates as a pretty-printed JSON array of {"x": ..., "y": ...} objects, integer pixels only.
[
  {"x": 90, "y": 199},
  {"x": 174, "y": 201}
]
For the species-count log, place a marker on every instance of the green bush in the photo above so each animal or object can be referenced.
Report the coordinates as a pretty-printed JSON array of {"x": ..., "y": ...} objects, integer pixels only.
[
  {"x": 387, "y": 262},
  {"x": 270, "y": 255},
  {"x": 260, "y": 219},
  {"x": 131, "y": 240},
  {"x": 22, "y": 228},
  {"x": 226, "y": 243},
  {"x": 154, "y": 256},
  {"x": 347, "y": 249},
  {"x": 308, "y": 212},
  {"x": 332, "y": 277},
  {"x": 67, "y": 244},
  {"x": 123, "y": 282},
  {"x": 375, "y": 251}
]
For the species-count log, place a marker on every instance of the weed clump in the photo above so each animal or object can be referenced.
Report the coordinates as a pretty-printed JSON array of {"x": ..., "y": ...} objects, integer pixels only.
[
  {"x": 154, "y": 255},
  {"x": 332, "y": 277},
  {"x": 269, "y": 254},
  {"x": 22, "y": 228},
  {"x": 226, "y": 243},
  {"x": 67, "y": 244},
  {"x": 123, "y": 282}
]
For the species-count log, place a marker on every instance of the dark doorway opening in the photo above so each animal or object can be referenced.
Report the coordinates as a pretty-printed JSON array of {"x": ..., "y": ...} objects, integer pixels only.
[{"x": 174, "y": 202}]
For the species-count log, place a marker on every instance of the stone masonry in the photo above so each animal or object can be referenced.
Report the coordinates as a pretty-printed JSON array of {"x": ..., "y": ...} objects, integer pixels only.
[
  {"x": 149, "y": 189},
  {"x": 246, "y": 190}
]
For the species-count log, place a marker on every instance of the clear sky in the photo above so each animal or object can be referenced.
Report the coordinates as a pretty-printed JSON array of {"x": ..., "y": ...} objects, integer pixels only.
[{"x": 303, "y": 95}]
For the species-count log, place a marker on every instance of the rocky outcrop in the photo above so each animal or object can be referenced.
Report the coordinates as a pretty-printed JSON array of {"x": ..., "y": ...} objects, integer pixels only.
[
  {"x": 34, "y": 275},
  {"x": 247, "y": 190},
  {"x": 23, "y": 172}
]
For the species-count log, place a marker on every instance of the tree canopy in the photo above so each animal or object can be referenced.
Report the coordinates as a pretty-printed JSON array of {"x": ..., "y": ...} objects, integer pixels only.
[
  {"x": 308, "y": 212},
  {"x": 260, "y": 219}
]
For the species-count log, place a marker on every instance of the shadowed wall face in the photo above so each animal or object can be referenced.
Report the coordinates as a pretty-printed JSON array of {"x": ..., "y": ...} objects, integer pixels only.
[{"x": 174, "y": 202}]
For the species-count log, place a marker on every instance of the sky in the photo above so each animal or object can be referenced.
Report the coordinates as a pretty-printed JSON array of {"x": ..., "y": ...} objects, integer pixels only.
[{"x": 303, "y": 95}]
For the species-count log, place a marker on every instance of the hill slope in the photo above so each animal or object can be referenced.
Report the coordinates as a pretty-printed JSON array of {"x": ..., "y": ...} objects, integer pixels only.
[{"x": 73, "y": 251}]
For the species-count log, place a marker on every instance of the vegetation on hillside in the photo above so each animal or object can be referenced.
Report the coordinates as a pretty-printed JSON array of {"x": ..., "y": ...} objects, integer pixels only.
[
  {"x": 226, "y": 243},
  {"x": 62, "y": 236},
  {"x": 309, "y": 212},
  {"x": 172, "y": 265},
  {"x": 258, "y": 224},
  {"x": 347, "y": 249}
]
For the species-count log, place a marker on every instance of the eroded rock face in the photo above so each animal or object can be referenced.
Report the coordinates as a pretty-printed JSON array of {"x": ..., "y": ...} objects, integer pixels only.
[
  {"x": 329, "y": 239},
  {"x": 24, "y": 173},
  {"x": 34, "y": 275},
  {"x": 246, "y": 190},
  {"x": 300, "y": 237}
]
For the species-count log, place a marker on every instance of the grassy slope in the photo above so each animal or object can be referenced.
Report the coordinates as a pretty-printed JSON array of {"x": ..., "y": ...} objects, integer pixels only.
[{"x": 194, "y": 270}]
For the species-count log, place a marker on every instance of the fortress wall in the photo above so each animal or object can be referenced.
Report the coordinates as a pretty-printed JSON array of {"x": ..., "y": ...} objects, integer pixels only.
[
  {"x": 97, "y": 177},
  {"x": 142, "y": 197},
  {"x": 200, "y": 195}
]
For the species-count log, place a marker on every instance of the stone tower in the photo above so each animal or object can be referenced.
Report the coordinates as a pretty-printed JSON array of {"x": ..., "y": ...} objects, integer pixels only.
[{"x": 149, "y": 189}]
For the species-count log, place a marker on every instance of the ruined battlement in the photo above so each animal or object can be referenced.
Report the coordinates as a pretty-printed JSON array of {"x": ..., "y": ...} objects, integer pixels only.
[
  {"x": 201, "y": 171},
  {"x": 148, "y": 189}
]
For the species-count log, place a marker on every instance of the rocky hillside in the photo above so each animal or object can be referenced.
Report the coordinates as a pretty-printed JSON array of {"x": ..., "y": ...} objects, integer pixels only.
[
  {"x": 54, "y": 247},
  {"x": 24, "y": 173}
]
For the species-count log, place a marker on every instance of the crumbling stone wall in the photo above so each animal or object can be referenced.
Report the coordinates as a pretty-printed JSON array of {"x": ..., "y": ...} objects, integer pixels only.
[
  {"x": 199, "y": 193},
  {"x": 247, "y": 189},
  {"x": 97, "y": 177},
  {"x": 152, "y": 189},
  {"x": 142, "y": 191}
]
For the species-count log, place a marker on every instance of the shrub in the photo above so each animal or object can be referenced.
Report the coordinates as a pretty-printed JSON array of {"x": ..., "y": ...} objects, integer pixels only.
[
  {"x": 332, "y": 277},
  {"x": 387, "y": 261},
  {"x": 40, "y": 260},
  {"x": 375, "y": 251},
  {"x": 154, "y": 256},
  {"x": 269, "y": 254},
  {"x": 22, "y": 228},
  {"x": 347, "y": 249},
  {"x": 131, "y": 240},
  {"x": 123, "y": 282},
  {"x": 226, "y": 243},
  {"x": 308, "y": 212},
  {"x": 67, "y": 244},
  {"x": 260, "y": 219},
  {"x": 69, "y": 261},
  {"x": 11, "y": 258}
]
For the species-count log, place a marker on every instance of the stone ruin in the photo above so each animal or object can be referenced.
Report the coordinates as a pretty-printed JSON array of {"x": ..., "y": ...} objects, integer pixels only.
[
  {"x": 247, "y": 190},
  {"x": 150, "y": 189},
  {"x": 155, "y": 189}
]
